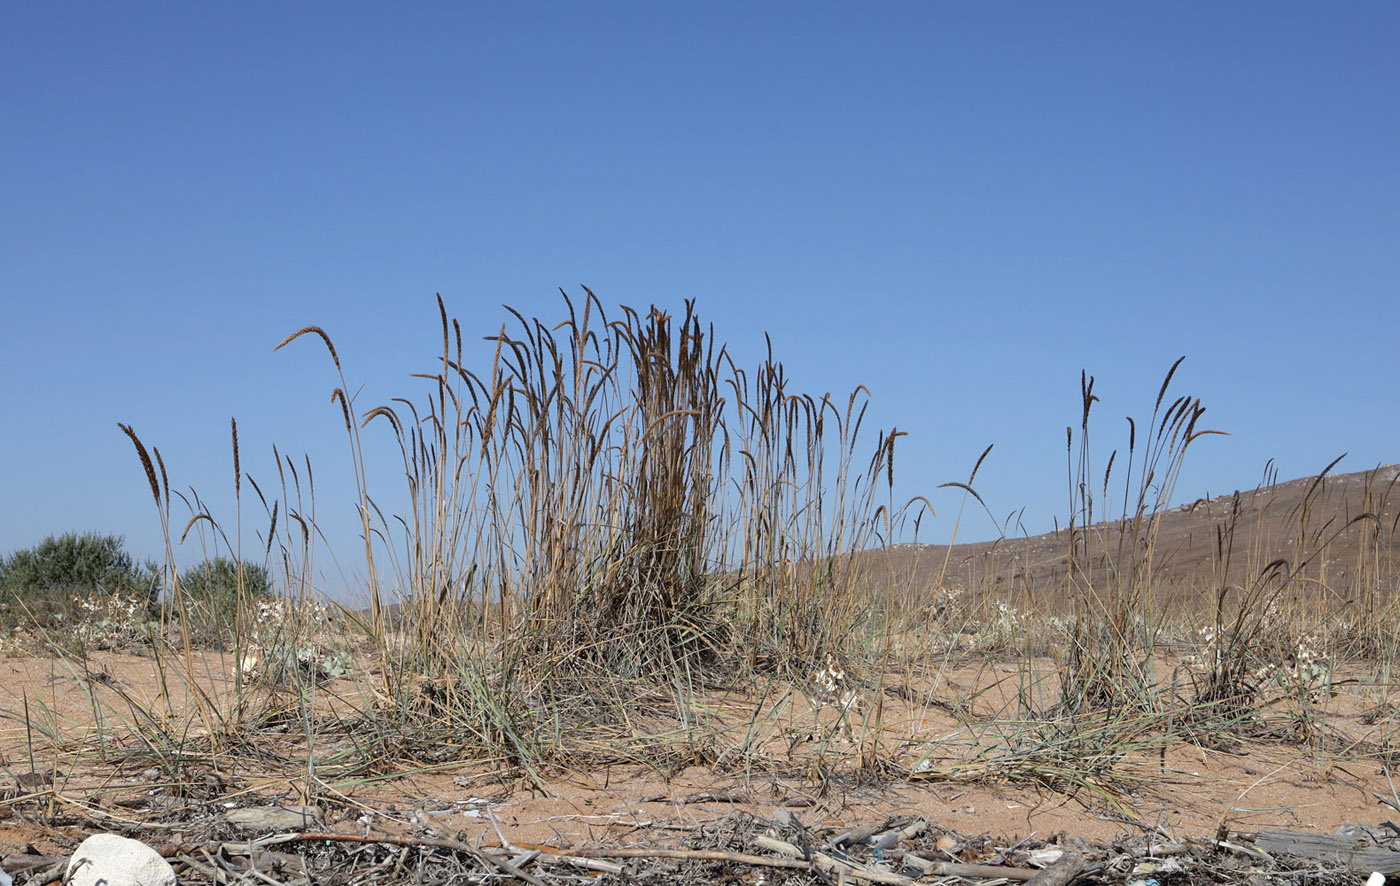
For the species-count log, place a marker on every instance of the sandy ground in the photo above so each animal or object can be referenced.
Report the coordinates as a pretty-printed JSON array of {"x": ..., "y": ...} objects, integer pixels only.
[{"x": 74, "y": 763}]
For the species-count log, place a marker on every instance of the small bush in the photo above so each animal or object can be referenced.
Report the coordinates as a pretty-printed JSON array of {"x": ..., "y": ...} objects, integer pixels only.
[
  {"x": 214, "y": 589},
  {"x": 40, "y": 582}
]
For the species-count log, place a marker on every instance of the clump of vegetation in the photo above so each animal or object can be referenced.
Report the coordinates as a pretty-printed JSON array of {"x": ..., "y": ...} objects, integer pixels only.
[
  {"x": 609, "y": 503},
  {"x": 1113, "y": 650},
  {"x": 39, "y": 583},
  {"x": 290, "y": 642},
  {"x": 111, "y": 621},
  {"x": 606, "y": 507},
  {"x": 216, "y": 591}
]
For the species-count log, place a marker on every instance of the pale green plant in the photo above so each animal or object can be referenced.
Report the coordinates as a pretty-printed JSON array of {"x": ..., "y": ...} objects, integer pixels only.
[{"x": 110, "y": 621}]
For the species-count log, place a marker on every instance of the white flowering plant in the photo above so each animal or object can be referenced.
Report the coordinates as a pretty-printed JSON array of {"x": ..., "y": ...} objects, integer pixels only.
[
  {"x": 293, "y": 639},
  {"x": 111, "y": 621},
  {"x": 1258, "y": 660}
]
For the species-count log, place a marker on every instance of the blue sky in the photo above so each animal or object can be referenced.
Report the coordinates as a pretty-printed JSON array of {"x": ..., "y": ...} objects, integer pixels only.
[{"x": 959, "y": 206}]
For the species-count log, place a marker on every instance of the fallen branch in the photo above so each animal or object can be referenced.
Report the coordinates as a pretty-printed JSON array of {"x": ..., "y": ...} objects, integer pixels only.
[{"x": 1359, "y": 855}]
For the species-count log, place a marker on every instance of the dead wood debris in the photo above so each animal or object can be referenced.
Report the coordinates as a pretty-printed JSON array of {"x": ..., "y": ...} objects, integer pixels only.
[{"x": 741, "y": 848}]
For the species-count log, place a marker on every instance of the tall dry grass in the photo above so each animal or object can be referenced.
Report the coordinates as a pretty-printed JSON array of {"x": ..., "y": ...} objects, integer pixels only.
[
  {"x": 605, "y": 509},
  {"x": 1111, "y": 654}
]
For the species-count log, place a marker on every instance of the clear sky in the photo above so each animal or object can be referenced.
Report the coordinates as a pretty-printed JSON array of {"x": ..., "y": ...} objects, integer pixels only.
[{"x": 959, "y": 206}]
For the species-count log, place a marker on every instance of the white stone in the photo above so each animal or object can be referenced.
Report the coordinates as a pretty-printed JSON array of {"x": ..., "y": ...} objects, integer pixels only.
[{"x": 109, "y": 860}]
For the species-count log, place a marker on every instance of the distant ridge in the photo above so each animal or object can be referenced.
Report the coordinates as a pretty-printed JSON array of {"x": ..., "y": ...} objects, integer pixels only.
[{"x": 1309, "y": 521}]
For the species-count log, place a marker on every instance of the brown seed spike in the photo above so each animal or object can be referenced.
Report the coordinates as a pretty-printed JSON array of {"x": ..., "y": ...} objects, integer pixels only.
[
  {"x": 442, "y": 312},
  {"x": 193, "y": 520},
  {"x": 983, "y": 457},
  {"x": 145, "y": 460},
  {"x": 889, "y": 465},
  {"x": 164, "y": 480},
  {"x": 1168, "y": 380},
  {"x": 271, "y": 529},
  {"x": 303, "y": 331},
  {"x": 338, "y": 394},
  {"x": 237, "y": 471}
]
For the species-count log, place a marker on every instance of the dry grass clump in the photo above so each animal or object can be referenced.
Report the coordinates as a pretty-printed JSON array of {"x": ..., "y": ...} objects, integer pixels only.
[
  {"x": 609, "y": 513},
  {"x": 1109, "y": 662}
]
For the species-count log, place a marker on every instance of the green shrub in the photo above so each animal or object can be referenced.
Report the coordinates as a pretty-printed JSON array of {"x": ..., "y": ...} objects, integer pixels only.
[
  {"x": 42, "y": 581},
  {"x": 212, "y": 589}
]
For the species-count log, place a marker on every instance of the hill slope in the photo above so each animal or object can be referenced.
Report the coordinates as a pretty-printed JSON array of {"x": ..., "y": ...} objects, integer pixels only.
[{"x": 1317, "y": 525}]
